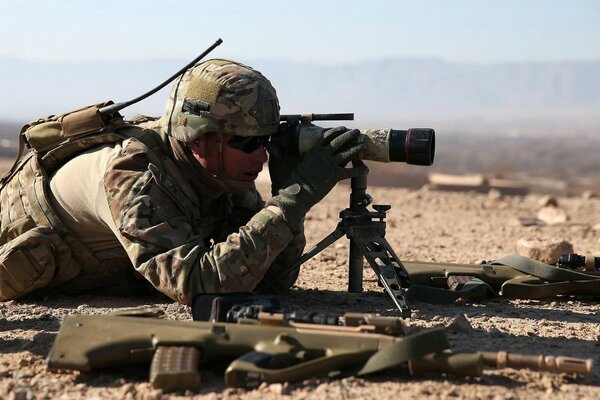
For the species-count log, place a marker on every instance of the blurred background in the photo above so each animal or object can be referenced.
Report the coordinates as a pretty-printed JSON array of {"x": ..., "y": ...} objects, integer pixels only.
[{"x": 512, "y": 88}]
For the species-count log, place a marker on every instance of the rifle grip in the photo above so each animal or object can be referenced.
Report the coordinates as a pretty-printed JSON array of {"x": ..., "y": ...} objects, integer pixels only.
[{"x": 175, "y": 368}]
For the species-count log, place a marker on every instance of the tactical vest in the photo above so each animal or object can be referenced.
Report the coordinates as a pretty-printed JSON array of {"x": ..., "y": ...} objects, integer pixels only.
[{"x": 37, "y": 251}]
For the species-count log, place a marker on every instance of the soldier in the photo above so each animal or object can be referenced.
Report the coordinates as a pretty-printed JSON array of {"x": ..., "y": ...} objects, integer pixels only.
[{"x": 174, "y": 198}]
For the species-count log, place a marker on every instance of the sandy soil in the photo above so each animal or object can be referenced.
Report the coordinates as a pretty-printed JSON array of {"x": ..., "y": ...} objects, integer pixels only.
[{"x": 422, "y": 225}]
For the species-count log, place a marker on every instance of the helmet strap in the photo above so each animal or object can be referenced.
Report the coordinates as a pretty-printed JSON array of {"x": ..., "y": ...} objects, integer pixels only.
[{"x": 232, "y": 185}]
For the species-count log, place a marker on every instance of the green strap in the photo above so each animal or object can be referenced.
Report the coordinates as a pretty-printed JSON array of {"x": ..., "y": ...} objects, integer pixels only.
[
  {"x": 474, "y": 288},
  {"x": 430, "y": 294},
  {"x": 543, "y": 271},
  {"x": 410, "y": 347},
  {"x": 528, "y": 287},
  {"x": 7, "y": 176}
]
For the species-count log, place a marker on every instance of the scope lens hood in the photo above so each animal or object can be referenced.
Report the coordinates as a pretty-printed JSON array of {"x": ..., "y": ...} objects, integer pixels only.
[{"x": 415, "y": 146}]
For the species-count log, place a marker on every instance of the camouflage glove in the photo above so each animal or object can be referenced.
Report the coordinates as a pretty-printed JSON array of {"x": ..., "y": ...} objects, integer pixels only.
[
  {"x": 283, "y": 156},
  {"x": 318, "y": 173}
]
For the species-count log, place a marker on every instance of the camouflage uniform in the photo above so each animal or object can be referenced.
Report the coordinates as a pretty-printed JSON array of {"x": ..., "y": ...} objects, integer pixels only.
[{"x": 131, "y": 203}]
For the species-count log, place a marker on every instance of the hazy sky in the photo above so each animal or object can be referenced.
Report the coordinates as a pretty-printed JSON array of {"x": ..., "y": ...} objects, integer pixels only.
[{"x": 319, "y": 31}]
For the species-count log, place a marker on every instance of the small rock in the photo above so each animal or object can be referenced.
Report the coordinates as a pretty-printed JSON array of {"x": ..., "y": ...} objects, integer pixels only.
[
  {"x": 548, "y": 201},
  {"x": 530, "y": 221},
  {"x": 4, "y": 373},
  {"x": 452, "y": 392},
  {"x": 552, "y": 215},
  {"x": 155, "y": 394},
  {"x": 22, "y": 374},
  {"x": 588, "y": 194},
  {"x": 128, "y": 388},
  {"x": 596, "y": 228},
  {"x": 229, "y": 392},
  {"x": 494, "y": 194},
  {"x": 460, "y": 302},
  {"x": 278, "y": 388},
  {"x": 546, "y": 251},
  {"x": 460, "y": 323},
  {"x": 21, "y": 394}
]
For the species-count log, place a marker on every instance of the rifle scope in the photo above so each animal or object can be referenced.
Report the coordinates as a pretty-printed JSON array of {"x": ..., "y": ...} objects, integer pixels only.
[{"x": 413, "y": 146}]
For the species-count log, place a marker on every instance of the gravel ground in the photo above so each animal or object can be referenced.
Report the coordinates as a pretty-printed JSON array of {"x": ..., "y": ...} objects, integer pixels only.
[{"x": 422, "y": 225}]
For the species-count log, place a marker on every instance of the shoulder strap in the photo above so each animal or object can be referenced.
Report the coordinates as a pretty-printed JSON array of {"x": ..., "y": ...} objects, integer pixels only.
[
  {"x": 410, "y": 347},
  {"x": 528, "y": 287},
  {"x": 13, "y": 168},
  {"x": 543, "y": 271}
]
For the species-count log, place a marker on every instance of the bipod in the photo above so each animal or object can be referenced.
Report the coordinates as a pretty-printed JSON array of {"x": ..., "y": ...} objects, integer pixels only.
[{"x": 366, "y": 231}]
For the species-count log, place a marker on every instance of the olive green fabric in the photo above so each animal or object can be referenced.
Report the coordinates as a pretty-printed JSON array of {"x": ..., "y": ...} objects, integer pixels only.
[
  {"x": 33, "y": 260},
  {"x": 510, "y": 277},
  {"x": 410, "y": 347}
]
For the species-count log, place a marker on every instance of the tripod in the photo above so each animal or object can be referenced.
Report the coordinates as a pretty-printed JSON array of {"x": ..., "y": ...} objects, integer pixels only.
[{"x": 366, "y": 231}]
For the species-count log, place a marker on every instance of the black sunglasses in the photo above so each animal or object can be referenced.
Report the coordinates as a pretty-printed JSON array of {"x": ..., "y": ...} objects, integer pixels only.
[{"x": 248, "y": 144}]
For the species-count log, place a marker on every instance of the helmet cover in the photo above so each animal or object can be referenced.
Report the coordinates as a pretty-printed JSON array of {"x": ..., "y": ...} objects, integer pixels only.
[{"x": 242, "y": 102}]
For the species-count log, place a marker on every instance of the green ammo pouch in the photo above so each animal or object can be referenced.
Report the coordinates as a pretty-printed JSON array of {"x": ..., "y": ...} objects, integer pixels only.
[
  {"x": 36, "y": 259},
  {"x": 46, "y": 133}
]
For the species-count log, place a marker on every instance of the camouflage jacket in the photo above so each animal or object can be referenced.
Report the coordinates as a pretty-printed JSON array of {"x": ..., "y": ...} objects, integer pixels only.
[{"x": 125, "y": 205}]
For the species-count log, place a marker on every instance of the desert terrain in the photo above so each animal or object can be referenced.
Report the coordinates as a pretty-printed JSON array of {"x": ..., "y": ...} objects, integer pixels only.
[{"x": 423, "y": 225}]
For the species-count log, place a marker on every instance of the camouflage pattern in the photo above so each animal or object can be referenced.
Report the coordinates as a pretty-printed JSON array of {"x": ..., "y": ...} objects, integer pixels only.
[
  {"x": 28, "y": 225},
  {"x": 242, "y": 102},
  {"x": 183, "y": 242},
  {"x": 378, "y": 145},
  {"x": 185, "y": 245},
  {"x": 377, "y": 141}
]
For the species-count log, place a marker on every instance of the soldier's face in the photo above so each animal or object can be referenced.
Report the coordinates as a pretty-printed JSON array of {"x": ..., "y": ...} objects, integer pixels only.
[{"x": 239, "y": 161}]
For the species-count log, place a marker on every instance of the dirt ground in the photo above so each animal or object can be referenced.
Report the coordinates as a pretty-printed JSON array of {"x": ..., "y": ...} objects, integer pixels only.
[{"x": 422, "y": 225}]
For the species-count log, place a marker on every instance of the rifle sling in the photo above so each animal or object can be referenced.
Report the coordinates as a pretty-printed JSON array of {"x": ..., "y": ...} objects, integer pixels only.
[
  {"x": 528, "y": 287},
  {"x": 410, "y": 347},
  {"x": 543, "y": 271},
  {"x": 474, "y": 288}
]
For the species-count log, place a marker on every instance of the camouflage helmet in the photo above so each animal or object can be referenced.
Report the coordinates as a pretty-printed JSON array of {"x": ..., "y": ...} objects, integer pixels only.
[{"x": 242, "y": 102}]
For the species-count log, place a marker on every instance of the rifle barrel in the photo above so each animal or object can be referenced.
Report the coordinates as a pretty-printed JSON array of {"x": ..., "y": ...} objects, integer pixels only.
[
  {"x": 317, "y": 117},
  {"x": 537, "y": 362}
]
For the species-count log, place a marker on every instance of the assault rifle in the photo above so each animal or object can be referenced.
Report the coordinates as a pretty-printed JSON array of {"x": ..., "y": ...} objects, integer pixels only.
[{"x": 270, "y": 352}]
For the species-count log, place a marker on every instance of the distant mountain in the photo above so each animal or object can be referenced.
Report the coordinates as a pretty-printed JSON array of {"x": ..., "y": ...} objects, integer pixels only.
[
  {"x": 433, "y": 89},
  {"x": 385, "y": 91}
]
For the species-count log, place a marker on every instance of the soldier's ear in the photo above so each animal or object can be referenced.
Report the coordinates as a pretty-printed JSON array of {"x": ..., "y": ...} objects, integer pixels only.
[
  {"x": 201, "y": 144},
  {"x": 205, "y": 149}
]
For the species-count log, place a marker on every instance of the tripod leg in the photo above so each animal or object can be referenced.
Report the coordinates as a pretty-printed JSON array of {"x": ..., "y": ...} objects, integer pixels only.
[
  {"x": 317, "y": 248},
  {"x": 397, "y": 264},
  {"x": 355, "y": 269},
  {"x": 384, "y": 262},
  {"x": 313, "y": 251}
]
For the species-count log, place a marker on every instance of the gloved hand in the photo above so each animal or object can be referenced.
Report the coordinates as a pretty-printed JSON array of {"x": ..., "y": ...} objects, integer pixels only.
[
  {"x": 282, "y": 161},
  {"x": 318, "y": 173}
]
